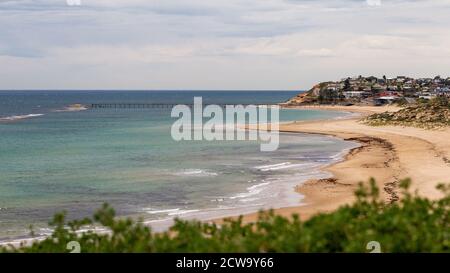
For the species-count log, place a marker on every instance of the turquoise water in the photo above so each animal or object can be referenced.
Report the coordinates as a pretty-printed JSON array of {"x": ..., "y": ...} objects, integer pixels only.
[{"x": 77, "y": 160}]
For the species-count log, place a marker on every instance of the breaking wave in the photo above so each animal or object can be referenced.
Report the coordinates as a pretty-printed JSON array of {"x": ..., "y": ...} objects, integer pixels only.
[{"x": 20, "y": 117}]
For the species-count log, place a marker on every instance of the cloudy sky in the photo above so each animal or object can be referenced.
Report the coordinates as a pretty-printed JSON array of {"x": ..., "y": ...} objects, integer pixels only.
[{"x": 218, "y": 44}]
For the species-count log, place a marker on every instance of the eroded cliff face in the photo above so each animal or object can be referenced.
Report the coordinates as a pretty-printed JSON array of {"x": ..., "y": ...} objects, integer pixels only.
[
  {"x": 307, "y": 97},
  {"x": 301, "y": 98}
]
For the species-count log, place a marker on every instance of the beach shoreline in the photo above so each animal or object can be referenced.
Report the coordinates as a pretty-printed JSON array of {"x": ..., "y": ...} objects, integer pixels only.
[{"x": 388, "y": 154}]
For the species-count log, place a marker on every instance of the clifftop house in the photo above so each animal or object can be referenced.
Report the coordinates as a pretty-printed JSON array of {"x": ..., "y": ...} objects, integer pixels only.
[{"x": 373, "y": 90}]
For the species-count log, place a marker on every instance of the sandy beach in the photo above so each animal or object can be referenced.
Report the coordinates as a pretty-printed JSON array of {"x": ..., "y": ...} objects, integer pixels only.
[{"x": 387, "y": 153}]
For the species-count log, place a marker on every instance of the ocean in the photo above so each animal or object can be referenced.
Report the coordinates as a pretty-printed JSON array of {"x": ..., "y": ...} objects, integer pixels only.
[{"x": 55, "y": 158}]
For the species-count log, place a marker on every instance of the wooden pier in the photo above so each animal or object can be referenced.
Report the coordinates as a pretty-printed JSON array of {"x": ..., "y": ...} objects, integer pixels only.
[{"x": 155, "y": 105}]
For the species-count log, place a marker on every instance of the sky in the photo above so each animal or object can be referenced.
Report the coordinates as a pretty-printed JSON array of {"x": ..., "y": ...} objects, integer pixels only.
[{"x": 218, "y": 44}]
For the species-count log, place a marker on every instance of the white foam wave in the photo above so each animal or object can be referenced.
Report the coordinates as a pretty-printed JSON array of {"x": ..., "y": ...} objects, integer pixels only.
[
  {"x": 19, "y": 117},
  {"x": 251, "y": 191},
  {"x": 169, "y": 212},
  {"x": 181, "y": 212},
  {"x": 162, "y": 211},
  {"x": 272, "y": 165},
  {"x": 280, "y": 166},
  {"x": 196, "y": 172}
]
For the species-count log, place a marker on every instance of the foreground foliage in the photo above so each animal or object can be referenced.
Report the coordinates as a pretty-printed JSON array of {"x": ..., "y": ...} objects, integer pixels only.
[
  {"x": 427, "y": 114},
  {"x": 413, "y": 224}
]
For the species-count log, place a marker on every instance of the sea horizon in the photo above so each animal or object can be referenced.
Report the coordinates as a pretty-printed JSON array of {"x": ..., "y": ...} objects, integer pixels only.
[{"x": 153, "y": 90}]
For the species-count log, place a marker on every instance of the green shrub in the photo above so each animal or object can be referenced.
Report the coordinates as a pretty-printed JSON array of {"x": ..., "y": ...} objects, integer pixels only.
[
  {"x": 432, "y": 114},
  {"x": 413, "y": 224}
]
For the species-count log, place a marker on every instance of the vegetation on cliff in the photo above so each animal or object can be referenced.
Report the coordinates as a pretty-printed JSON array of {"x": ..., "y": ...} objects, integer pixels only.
[
  {"x": 413, "y": 224},
  {"x": 318, "y": 94},
  {"x": 428, "y": 114}
]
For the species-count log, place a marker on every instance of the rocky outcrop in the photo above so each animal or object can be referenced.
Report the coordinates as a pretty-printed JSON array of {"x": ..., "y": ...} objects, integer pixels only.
[
  {"x": 302, "y": 98},
  {"x": 309, "y": 96}
]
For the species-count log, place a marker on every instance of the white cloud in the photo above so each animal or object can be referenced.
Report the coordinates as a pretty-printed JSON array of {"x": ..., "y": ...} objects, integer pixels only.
[
  {"x": 223, "y": 44},
  {"x": 373, "y": 2},
  {"x": 316, "y": 52}
]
